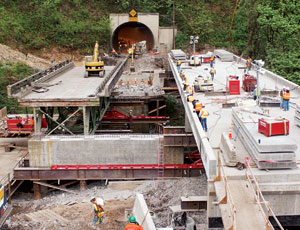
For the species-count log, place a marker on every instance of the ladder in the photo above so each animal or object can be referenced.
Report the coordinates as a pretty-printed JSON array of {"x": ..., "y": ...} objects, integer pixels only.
[{"x": 160, "y": 159}]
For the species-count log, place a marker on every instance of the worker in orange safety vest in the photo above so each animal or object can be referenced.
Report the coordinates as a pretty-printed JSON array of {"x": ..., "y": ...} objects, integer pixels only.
[
  {"x": 134, "y": 225},
  {"x": 212, "y": 59},
  {"x": 198, "y": 107},
  {"x": 286, "y": 99},
  {"x": 203, "y": 115}
]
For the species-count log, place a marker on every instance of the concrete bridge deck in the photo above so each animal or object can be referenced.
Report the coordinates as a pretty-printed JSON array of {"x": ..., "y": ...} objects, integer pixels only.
[
  {"x": 275, "y": 183},
  {"x": 70, "y": 86}
]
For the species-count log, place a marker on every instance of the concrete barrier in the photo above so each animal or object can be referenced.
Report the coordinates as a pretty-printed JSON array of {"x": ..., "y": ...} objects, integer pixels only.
[
  {"x": 228, "y": 150},
  {"x": 142, "y": 214},
  {"x": 207, "y": 154}
]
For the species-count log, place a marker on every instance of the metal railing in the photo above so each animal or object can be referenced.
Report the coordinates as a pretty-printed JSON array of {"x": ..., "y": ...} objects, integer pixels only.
[
  {"x": 24, "y": 84},
  {"x": 264, "y": 206},
  {"x": 227, "y": 199}
]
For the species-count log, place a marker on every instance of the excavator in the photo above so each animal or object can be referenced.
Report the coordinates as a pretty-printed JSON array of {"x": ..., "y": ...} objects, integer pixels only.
[{"x": 93, "y": 64}]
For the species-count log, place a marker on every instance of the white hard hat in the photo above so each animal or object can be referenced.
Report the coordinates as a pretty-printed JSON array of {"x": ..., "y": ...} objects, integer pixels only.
[
  {"x": 287, "y": 88},
  {"x": 284, "y": 86}
]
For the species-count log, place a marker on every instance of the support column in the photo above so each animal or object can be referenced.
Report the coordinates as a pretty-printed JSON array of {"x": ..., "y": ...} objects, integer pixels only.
[
  {"x": 83, "y": 185},
  {"x": 37, "y": 191},
  {"x": 86, "y": 119},
  {"x": 37, "y": 120}
]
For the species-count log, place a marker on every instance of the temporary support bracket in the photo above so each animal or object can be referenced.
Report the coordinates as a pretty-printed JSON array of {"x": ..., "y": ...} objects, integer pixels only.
[{"x": 60, "y": 124}]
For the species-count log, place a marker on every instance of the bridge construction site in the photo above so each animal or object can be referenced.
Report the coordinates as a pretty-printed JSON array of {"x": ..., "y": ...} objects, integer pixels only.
[{"x": 110, "y": 136}]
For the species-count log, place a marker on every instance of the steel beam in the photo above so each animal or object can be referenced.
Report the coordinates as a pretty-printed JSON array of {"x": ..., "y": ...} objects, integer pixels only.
[
  {"x": 186, "y": 140},
  {"x": 96, "y": 174}
]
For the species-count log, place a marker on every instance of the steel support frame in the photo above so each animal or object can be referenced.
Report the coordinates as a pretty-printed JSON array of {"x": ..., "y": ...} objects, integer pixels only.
[{"x": 95, "y": 174}]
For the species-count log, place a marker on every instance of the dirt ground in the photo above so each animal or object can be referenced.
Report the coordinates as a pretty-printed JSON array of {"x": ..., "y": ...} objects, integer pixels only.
[{"x": 77, "y": 208}]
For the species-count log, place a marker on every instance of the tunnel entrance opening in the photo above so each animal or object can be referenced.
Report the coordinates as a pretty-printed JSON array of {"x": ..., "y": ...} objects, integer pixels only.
[{"x": 129, "y": 33}]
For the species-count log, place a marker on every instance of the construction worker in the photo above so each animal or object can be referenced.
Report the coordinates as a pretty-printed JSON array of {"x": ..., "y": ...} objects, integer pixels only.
[
  {"x": 185, "y": 82},
  {"x": 178, "y": 65},
  {"x": 281, "y": 97},
  {"x": 191, "y": 90},
  {"x": 203, "y": 115},
  {"x": 212, "y": 73},
  {"x": 182, "y": 75},
  {"x": 286, "y": 99},
  {"x": 190, "y": 98},
  {"x": 114, "y": 53},
  {"x": 212, "y": 59},
  {"x": 256, "y": 93},
  {"x": 198, "y": 107},
  {"x": 150, "y": 80},
  {"x": 248, "y": 65},
  {"x": 134, "y": 225},
  {"x": 97, "y": 212}
]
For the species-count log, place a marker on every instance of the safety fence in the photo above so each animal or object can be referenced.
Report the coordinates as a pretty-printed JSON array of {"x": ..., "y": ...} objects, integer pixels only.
[{"x": 264, "y": 206}]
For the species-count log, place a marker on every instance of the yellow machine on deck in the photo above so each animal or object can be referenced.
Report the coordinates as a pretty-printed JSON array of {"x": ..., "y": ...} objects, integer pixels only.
[{"x": 93, "y": 64}]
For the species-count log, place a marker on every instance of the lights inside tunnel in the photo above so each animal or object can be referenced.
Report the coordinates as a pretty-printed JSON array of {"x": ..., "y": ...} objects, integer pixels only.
[{"x": 129, "y": 33}]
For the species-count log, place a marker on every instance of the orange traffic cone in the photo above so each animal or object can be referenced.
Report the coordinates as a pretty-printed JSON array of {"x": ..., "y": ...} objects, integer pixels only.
[{"x": 230, "y": 134}]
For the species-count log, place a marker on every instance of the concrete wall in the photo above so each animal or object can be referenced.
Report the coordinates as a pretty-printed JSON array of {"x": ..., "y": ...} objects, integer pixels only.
[
  {"x": 166, "y": 39},
  {"x": 93, "y": 150},
  {"x": 141, "y": 213}
]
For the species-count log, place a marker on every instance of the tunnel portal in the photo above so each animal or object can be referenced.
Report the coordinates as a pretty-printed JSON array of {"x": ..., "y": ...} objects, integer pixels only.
[{"x": 129, "y": 33}]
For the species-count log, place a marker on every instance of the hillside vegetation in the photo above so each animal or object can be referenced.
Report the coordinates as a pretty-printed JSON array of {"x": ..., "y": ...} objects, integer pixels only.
[{"x": 263, "y": 29}]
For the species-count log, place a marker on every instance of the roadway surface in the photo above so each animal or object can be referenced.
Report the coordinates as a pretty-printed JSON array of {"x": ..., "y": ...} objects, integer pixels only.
[
  {"x": 69, "y": 86},
  {"x": 219, "y": 121},
  {"x": 8, "y": 161}
]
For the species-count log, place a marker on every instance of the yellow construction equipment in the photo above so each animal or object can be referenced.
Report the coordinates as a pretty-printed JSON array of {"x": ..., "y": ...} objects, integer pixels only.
[{"x": 93, "y": 64}]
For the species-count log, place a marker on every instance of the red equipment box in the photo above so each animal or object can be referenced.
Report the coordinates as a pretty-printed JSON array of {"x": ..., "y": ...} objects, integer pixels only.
[
  {"x": 23, "y": 125},
  {"x": 272, "y": 127},
  {"x": 205, "y": 59},
  {"x": 249, "y": 83},
  {"x": 233, "y": 85}
]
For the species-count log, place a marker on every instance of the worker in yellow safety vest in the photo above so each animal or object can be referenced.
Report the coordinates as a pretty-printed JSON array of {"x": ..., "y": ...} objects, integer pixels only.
[
  {"x": 185, "y": 82},
  {"x": 286, "y": 99},
  {"x": 190, "y": 98},
  {"x": 203, "y": 115},
  {"x": 178, "y": 65},
  {"x": 281, "y": 97},
  {"x": 97, "y": 211},
  {"x": 190, "y": 89}
]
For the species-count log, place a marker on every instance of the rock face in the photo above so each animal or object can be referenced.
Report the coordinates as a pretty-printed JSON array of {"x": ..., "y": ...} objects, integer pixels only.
[{"x": 7, "y": 54}]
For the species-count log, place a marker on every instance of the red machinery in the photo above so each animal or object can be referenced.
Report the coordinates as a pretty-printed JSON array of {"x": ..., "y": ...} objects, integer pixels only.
[
  {"x": 233, "y": 85},
  {"x": 117, "y": 116},
  {"x": 205, "y": 59},
  {"x": 249, "y": 83},
  {"x": 22, "y": 125},
  {"x": 273, "y": 127}
]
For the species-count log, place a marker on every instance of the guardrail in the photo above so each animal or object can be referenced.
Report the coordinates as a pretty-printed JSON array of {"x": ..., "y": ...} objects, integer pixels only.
[
  {"x": 111, "y": 79},
  {"x": 227, "y": 197},
  {"x": 264, "y": 206},
  {"x": 24, "y": 85}
]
